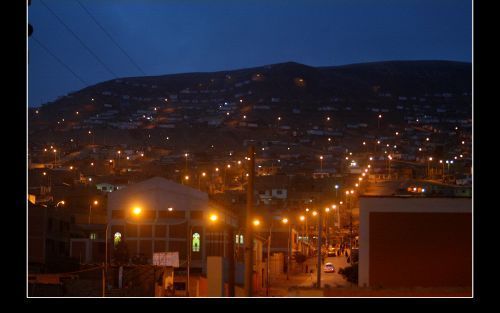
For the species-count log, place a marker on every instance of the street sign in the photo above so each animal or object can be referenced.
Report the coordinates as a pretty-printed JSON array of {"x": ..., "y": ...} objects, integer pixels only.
[{"x": 166, "y": 259}]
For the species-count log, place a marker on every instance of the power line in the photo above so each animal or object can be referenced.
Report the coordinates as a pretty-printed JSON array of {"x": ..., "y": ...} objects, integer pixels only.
[
  {"x": 78, "y": 38},
  {"x": 59, "y": 60},
  {"x": 111, "y": 37}
]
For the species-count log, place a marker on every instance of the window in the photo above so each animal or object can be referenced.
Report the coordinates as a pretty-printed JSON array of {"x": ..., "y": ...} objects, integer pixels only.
[
  {"x": 117, "y": 238},
  {"x": 104, "y": 188},
  {"x": 196, "y": 242},
  {"x": 279, "y": 191},
  {"x": 93, "y": 236}
]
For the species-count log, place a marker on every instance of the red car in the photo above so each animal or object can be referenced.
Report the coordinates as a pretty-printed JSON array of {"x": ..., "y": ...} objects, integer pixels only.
[{"x": 329, "y": 268}]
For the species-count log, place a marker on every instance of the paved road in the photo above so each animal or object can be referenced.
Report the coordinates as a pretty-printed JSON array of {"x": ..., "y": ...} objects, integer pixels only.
[{"x": 332, "y": 279}]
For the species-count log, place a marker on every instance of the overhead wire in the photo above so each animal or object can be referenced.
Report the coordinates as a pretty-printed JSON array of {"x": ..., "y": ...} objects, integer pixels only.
[
  {"x": 79, "y": 40},
  {"x": 58, "y": 60},
  {"x": 111, "y": 37}
]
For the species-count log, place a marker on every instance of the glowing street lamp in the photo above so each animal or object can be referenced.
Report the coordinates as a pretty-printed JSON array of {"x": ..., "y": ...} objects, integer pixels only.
[
  {"x": 213, "y": 217},
  {"x": 95, "y": 202},
  {"x": 137, "y": 211}
]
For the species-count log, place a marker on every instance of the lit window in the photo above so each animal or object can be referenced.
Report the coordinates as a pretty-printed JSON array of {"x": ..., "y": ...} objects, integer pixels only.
[
  {"x": 196, "y": 242},
  {"x": 117, "y": 238},
  {"x": 241, "y": 239},
  {"x": 93, "y": 236},
  {"x": 237, "y": 237}
]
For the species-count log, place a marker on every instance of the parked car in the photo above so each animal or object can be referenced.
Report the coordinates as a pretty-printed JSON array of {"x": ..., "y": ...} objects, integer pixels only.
[{"x": 329, "y": 268}]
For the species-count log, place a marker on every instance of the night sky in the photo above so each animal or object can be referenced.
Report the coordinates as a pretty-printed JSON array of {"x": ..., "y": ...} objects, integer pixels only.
[{"x": 165, "y": 37}]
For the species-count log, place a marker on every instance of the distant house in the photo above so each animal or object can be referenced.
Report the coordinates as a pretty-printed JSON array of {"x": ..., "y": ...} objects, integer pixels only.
[{"x": 106, "y": 187}]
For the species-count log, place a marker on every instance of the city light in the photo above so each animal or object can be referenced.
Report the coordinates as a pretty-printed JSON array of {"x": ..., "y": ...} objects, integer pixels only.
[
  {"x": 213, "y": 217},
  {"x": 256, "y": 222},
  {"x": 137, "y": 211}
]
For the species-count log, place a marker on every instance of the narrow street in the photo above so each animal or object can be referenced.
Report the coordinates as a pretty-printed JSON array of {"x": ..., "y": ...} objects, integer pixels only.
[{"x": 280, "y": 285}]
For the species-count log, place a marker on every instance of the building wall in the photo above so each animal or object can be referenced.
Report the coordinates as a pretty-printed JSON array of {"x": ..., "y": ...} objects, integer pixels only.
[
  {"x": 158, "y": 229},
  {"x": 415, "y": 242},
  {"x": 420, "y": 249}
]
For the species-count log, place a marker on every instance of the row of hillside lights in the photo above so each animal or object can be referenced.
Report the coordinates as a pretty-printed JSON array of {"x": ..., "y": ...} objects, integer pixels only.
[{"x": 416, "y": 189}]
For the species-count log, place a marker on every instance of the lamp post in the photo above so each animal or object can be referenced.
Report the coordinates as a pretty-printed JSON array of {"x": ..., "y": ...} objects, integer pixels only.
[
  {"x": 390, "y": 159},
  {"x": 336, "y": 190},
  {"x": 327, "y": 210},
  {"x": 55, "y": 158},
  {"x": 428, "y": 171},
  {"x": 320, "y": 230},
  {"x": 136, "y": 211},
  {"x": 334, "y": 207},
  {"x": 199, "y": 178},
  {"x": 190, "y": 248},
  {"x": 90, "y": 209},
  {"x": 289, "y": 246},
  {"x": 349, "y": 200},
  {"x": 321, "y": 163},
  {"x": 232, "y": 255},
  {"x": 225, "y": 168}
]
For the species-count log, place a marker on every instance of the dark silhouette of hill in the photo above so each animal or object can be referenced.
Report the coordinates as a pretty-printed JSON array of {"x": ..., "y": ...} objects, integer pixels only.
[{"x": 291, "y": 82}]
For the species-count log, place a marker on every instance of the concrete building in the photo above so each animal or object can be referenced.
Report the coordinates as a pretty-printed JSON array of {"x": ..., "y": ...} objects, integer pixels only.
[
  {"x": 407, "y": 241},
  {"x": 170, "y": 214},
  {"x": 49, "y": 230}
]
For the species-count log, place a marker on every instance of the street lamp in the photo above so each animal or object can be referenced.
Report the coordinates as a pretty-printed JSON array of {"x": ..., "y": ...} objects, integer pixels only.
[
  {"x": 318, "y": 264},
  {"x": 334, "y": 207},
  {"x": 327, "y": 210},
  {"x": 199, "y": 178},
  {"x": 136, "y": 211},
  {"x": 321, "y": 163},
  {"x": 90, "y": 208},
  {"x": 390, "y": 159},
  {"x": 55, "y": 157},
  {"x": 428, "y": 170}
]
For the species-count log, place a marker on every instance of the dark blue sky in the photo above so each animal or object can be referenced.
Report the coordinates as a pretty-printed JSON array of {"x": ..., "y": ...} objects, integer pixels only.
[{"x": 167, "y": 36}]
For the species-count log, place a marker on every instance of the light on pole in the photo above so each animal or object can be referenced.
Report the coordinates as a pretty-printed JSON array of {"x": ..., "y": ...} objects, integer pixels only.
[
  {"x": 199, "y": 178},
  {"x": 428, "y": 170},
  {"x": 136, "y": 212},
  {"x": 321, "y": 163},
  {"x": 285, "y": 221},
  {"x": 55, "y": 158},
  {"x": 90, "y": 208}
]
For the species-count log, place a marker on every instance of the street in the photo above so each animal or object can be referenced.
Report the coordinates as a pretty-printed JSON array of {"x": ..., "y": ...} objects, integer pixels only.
[{"x": 331, "y": 279}]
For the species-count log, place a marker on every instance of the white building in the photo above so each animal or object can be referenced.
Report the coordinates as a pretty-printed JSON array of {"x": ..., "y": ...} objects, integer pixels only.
[{"x": 170, "y": 212}]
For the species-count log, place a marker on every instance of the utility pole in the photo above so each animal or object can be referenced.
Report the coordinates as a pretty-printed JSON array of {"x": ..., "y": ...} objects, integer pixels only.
[
  {"x": 289, "y": 248},
  {"x": 268, "y": 260},
  {"x": 320, "y": 230},
  {"x": 248, "y": 224},
  {"x": 350, "y": 237},
  {"x": 232, "y": 261}
]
